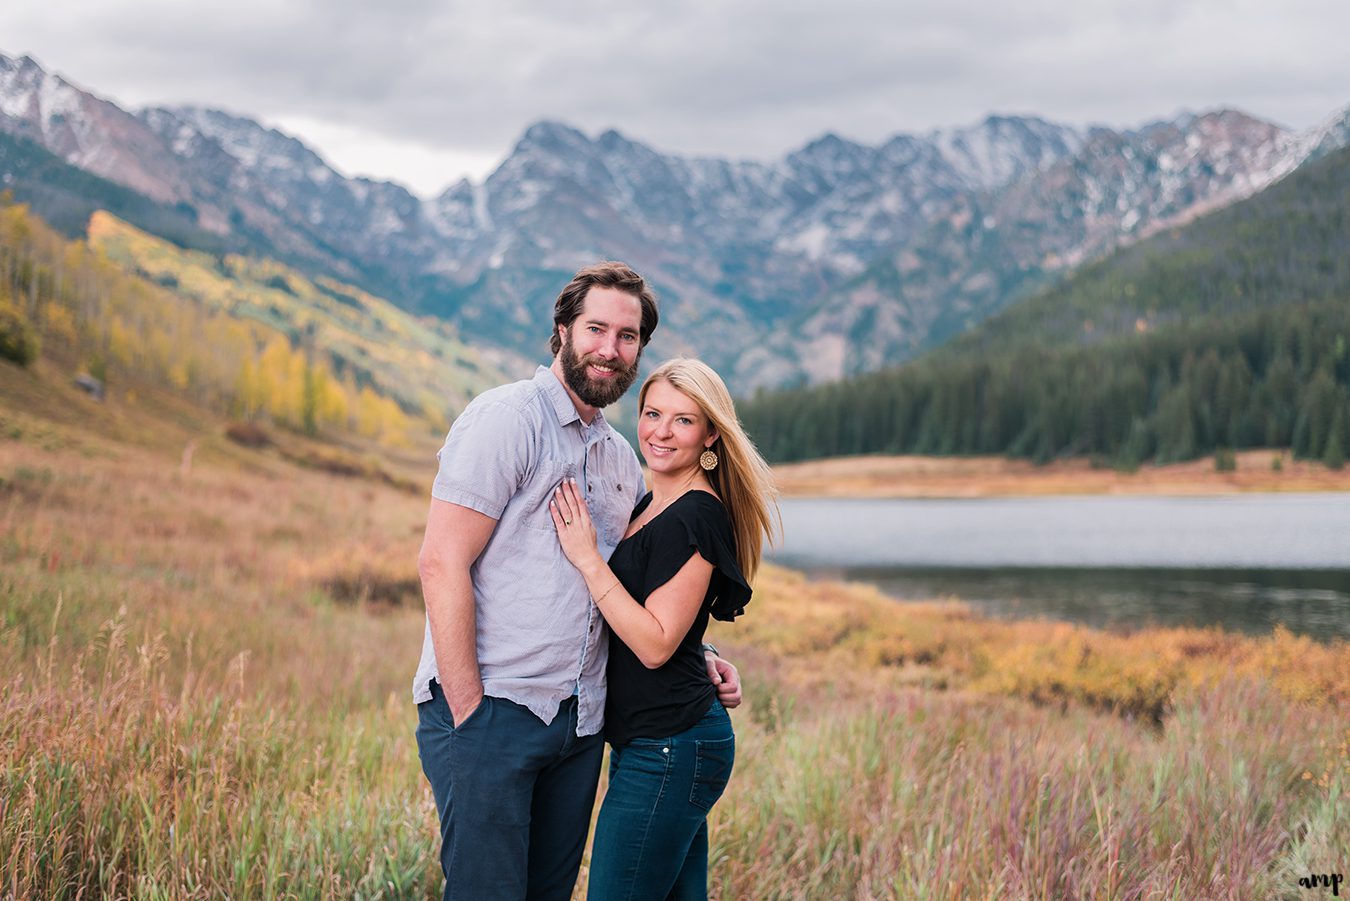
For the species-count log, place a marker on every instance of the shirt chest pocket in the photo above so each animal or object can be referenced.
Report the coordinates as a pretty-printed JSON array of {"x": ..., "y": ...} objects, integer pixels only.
[
  {"x": 535, "y": 495},
  {"x": 611, "y": 508},
  {"x": 610, "y": 505}
]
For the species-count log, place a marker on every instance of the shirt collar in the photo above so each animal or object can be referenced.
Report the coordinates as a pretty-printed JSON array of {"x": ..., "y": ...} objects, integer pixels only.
[{"x": 562, "y": 401}]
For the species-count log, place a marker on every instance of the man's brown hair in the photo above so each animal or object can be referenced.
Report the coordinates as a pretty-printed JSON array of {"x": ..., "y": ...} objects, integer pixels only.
[{"x": 608, "y": 274}]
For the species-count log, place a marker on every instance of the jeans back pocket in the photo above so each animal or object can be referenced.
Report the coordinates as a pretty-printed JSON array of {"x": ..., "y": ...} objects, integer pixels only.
[{"x": 712, "y": 770}]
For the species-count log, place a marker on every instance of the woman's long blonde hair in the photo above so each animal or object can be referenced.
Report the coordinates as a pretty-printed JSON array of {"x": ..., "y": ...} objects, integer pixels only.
[{"x": 742, "y": 479}]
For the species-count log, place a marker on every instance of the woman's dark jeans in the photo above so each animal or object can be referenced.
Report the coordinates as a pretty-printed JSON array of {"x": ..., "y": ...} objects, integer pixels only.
[{"x": 651, "y": 840}]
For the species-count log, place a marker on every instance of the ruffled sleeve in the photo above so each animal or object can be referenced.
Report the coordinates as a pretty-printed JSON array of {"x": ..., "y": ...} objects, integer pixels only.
[{"x": 698, "y": 523}]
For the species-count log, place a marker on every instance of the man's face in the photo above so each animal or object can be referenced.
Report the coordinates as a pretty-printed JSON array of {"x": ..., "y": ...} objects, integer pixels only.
[{"x": 601, "y": 348}]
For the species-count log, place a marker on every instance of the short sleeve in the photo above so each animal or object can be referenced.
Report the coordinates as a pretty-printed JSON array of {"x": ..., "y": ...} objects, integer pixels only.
[
  {"x": 485, "y": 458},
  {"x": 698, "y": 523}
]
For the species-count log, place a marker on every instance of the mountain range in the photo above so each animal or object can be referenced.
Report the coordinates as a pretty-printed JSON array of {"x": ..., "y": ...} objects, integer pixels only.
[
  {"x": 1227, "y": 333},
  {"x": 839, "y": 258}
]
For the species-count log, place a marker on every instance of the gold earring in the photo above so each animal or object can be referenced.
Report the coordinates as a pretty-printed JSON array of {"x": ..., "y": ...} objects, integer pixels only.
[{"x": 708, "y": 460}]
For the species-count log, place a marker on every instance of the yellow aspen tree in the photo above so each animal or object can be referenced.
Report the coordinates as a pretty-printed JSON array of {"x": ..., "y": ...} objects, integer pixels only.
[
  {"x": 332, "y": 400},
  {"x": 59, "y": 324},
  {"x": 272, "y": 371},
  {"x": 394, "y": 423},
  {"x": 368, "y": 413},
  {"x": 249, "y": 395},
  {"x": 434, "y": 417},
  {"x": 295, "y": 388}
]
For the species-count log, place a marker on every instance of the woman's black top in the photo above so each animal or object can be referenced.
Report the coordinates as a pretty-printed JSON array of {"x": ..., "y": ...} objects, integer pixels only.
[{"x": 655, "y": 703}]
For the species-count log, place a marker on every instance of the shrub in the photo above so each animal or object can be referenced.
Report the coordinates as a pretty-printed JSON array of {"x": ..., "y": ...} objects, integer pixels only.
[
  {"x": 362, "y": 584},
  {"x": 248, "y": 434},
  {"x": 365, "y": 574},
  {"x": 18, "y": 339}
]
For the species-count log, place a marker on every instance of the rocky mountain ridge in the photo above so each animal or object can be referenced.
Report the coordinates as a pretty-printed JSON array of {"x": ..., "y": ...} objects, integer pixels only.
[{"x": 838, "y": 258}]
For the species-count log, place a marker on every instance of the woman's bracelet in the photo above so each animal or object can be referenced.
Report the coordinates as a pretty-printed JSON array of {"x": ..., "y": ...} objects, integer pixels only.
[{"x": 607, "y": 591}]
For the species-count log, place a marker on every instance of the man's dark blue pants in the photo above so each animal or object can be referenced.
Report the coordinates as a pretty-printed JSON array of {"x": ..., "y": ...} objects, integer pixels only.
[{"x": 514, "y": 797}]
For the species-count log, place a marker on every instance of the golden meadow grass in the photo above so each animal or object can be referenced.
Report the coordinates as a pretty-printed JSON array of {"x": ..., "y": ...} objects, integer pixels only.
[
  {"x": 912, "y": 476},
  {"x": 207, "y": 695}
]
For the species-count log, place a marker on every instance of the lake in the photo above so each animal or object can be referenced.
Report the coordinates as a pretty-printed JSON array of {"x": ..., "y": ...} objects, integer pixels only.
[{"x": 1245, "y": 562}]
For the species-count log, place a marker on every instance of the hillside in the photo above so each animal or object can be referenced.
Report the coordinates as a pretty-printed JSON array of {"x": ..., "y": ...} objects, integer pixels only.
[
  {"x": 1284, "y": 246},
  {"x": 1227, "y": 333},
  {"x": 990, "y": 249},
  {"x": 248, "y": 339},
  {"x": 66, "y": 196},
  {"x": 366, "y": 340}
]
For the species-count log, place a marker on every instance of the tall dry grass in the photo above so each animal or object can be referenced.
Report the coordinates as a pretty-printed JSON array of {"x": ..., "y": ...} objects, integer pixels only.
[
  {"x": 122, "y": 782},
  {"x": 193, "y": 713},
  {"x": 922, "y": 795},
  {"x": 207, "y": 696}
]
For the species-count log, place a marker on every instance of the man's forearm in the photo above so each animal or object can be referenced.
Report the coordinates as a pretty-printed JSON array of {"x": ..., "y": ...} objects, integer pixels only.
[{"x": 450, "y": 609}]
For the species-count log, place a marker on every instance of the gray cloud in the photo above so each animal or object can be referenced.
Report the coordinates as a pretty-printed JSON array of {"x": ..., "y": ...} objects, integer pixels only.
[{"x": 749, "y": 78}]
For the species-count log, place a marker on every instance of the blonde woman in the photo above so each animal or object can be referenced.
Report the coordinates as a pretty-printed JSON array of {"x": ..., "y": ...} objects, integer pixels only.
[{"x": 692, "y": 545}]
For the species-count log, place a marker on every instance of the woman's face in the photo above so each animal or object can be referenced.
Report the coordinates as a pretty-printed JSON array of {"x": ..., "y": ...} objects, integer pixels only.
[{"x": 672, "y": 430}]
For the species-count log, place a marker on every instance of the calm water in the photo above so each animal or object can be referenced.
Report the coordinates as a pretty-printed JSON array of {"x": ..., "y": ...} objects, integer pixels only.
[{"x": 1246, "y": 562}]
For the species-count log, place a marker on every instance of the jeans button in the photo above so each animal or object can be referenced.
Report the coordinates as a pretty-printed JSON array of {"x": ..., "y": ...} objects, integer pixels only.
[{"x": 665, "y": 750}]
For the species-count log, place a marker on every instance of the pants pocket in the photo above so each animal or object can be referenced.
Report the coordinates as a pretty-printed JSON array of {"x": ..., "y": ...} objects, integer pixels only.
[
  {"x": 639, "y": 776},
  {"x": 471, "y": 718},
  {"x": 712, "y": 770}
]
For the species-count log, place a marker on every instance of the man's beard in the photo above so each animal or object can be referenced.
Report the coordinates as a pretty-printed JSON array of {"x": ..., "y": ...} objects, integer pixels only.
[{"x": 596, "y": 392}]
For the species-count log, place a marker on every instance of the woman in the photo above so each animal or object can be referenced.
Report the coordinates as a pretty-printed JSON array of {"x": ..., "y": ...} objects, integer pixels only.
[{"x": 690, "y": 548}]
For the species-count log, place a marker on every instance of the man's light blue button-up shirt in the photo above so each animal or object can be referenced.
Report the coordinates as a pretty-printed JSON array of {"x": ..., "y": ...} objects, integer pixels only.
[{"x": 540, "y": 636}]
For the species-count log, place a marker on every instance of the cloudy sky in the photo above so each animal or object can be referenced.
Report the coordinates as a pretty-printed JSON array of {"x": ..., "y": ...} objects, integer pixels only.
[{"x": 428, "y": 91}]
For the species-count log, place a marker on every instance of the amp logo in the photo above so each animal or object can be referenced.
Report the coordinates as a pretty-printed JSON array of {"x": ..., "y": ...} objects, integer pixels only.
[{"x": 1323, "y": 880}]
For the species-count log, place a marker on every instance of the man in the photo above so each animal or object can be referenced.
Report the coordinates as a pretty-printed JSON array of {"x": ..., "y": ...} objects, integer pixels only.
[{"x": 510, "y": 688}]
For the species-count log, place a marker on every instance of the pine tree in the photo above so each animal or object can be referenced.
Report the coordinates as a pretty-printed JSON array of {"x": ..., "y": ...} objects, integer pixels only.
[{"x": 1334, "y": 454}]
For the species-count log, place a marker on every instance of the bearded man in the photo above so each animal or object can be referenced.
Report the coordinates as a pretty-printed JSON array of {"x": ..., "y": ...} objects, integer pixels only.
[{"x": 511, "y": 685}]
